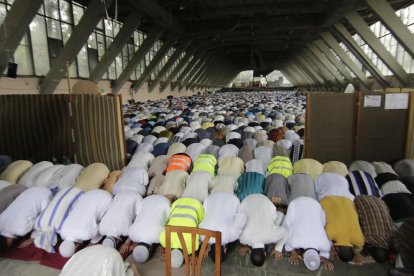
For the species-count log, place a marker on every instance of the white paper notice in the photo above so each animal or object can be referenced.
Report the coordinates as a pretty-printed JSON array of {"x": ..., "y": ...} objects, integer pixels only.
[
  {"x": 396, "y": 101},
  {"x": 372, "y": 101}
]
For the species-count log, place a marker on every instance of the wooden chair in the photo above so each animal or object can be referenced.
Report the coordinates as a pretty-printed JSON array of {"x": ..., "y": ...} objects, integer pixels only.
[{"x": 180, "y": 230}]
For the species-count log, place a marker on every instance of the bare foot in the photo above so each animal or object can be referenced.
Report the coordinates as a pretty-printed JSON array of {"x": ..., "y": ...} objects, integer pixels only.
[
  {"x": 294, "y": 258},
  {"x": 244, "y": 249},
  {"x": 357, "y": 260},
  {"x": 161, "y": 253},
  {"x": 207, "y": 251},
  {"x": 278, "y": 255},
  {"x": 134, "y": 270},
  {"x": 327, "y": 264},
  {"x": 26, "y": 243},
  {"x": 333, "y": 254},
  {"x": 126, "y": 248}
]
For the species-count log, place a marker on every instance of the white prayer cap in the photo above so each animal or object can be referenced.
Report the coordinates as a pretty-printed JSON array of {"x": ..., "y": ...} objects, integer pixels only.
[
  {"x": 67, "y": 249},
  {"x": 249, "y": 129},
  {"x": 176, "y": 258},
  {"x": 311, "y": 259},
  {"x": 108, "y": 242},
  {"x": 141, "y": 254}
]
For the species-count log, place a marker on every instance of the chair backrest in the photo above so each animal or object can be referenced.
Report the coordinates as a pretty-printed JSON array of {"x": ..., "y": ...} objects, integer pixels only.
[{"x": 193, "y": 268}]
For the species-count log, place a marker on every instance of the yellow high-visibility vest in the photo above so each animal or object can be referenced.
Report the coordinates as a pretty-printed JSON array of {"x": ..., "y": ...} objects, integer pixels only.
[
  {"x": 206, "y": 163},
  {"x": 281, "y": 165},
  {"x": 187, "y": 212}
]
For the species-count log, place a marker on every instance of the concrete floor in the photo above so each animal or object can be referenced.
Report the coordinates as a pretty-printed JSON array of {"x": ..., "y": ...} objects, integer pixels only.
[{"x": 234, "y": 265}]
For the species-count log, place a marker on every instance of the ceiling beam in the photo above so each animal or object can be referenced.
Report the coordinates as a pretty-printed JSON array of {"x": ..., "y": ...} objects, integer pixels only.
[
  {"x": 208, "y": 27},
  {"x": 161, "y": 16},
  {"x": 14, "y": 27},
  {"x": 289, "y": 8},
  {"x": 362, "y": 28}
]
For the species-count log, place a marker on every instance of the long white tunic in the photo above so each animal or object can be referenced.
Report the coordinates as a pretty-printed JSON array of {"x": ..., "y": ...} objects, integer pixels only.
[
  {"x": 224, "y": 183},
  {"x": 332, "y": 184},
  {"x": 223, "y": 213},
  {"x": 144, "y": 148},
  {"x": 262, "y": 223},
  {"x": 198, "y": 185},
  {"x": 97, "y": 260},
  {"x": 151, "y": 216},
  {"x": 19, "y": 218},
  {"x": 230, "y": 165},
  {"x": 174, "y": 183},
  {"x": 28, "y": 179},
  {"x": 256, "y": 165},
  {"x": 141, "y": 160},
  {"x": 132, "y": 179},
  {"x": 4, "y": 184},
  {"x": 83, "y": 221},
  {"x": 194, "y": 150},
  {"x": 120, "y": 215},
  {"x": 228, "y": 150},
  {"x": 394, "y": 186},
  {"x": 263, "y": 153},
  {"x": 65, "y": 177},
  {"x": 305, "y": 223},
  {"x": 43, "y": 178}
]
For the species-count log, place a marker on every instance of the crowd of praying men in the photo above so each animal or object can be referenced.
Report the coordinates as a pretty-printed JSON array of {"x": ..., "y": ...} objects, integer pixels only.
[{"x": 228, "y": 162}]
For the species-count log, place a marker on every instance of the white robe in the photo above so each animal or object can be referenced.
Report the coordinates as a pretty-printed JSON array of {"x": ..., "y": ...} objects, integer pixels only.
[
  {"x": 228, "y": 150},
  {"x": 28, "y": 179},
  {"x": 120, "y": 215},
  {"x": 4, "y": 184},
  {"x": 394, "y": 186},
  {"x": 43, "y": 178},
  {"x": 174, "y": 183},
  {"x": 97, "y": 260},
  {"x": 152, "y": 214},
  {"x": 141, "y": 160},
  {"x": 256, "y": 165},
  {"x": 224, "y": 183},
  {"x": 19, "y": 218},
  {"x": 263, "y": 153},
  {"x": 305, "y": 222},
  {"x": 332, "y": 184},
  {"x": 65, "y": 177},
  {"x": 223, "y": 213},
  {"x": 262, "y": 223},
  {"x": 198, "y": 185},
  {"x": 83, "y": 221},
  {"x": 194, "y": 150},
  {"x": 48, "y": 224},
  {"x": 132, "y": 179}
]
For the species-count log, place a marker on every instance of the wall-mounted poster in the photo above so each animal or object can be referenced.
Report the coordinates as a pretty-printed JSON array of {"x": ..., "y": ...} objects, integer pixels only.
[
  {"x": 396, "y": 101},
  {"x": 372, "y": 101}
]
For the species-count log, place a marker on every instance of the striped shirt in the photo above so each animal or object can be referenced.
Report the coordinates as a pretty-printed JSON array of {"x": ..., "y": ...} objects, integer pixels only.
[
  {"x": 375, "y": 220},
  {"x": 362, "y": 183},
  {"x": 250, "y": 183},
  {"x": 51, "y": 219}
]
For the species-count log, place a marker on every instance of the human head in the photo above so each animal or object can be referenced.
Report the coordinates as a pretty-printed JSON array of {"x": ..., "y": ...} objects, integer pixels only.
[
  {"x": 379, "y": 254},
  {"x": 345, "y": 253},
  {"x": 177, "y": 258},
  {"x": 311, "y": 259},
  {"x": 67, "y": 249},
  {"x": 141, "y": 252},
  {"x": 257, "y": 257},
  {"x": 212, "y": 253}
]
